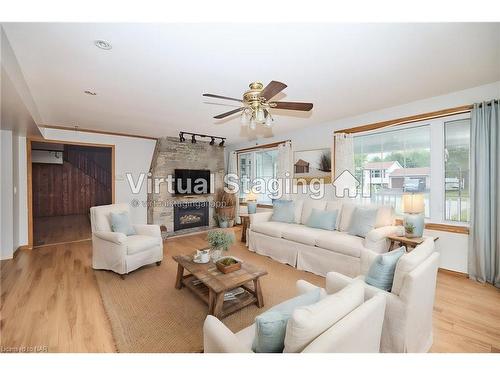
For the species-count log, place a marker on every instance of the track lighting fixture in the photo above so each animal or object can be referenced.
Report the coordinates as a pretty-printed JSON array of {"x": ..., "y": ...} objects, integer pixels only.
[{"x": 182, "y": 138}]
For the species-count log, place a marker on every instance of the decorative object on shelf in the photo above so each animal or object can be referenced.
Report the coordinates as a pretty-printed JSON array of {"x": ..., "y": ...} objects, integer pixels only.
[
  {"x": 219, "y": 241},
  {"x": 312, "y": 164},
  {"x": 414, "y": 208},
  {"x": 223, "y": 220},
  {"x": 182, "y": 138},
  {"x": 257, "y": 104},
  {"x": 225, "y": 204},
  {"x": 228, "y": 264},
  {"x": 251, "y": 200}
]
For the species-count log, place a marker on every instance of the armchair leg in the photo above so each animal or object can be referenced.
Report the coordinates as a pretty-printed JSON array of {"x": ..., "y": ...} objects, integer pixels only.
[{"x": 158, "y": 263}]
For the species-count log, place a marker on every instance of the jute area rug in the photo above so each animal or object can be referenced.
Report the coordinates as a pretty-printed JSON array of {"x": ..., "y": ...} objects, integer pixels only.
[{"x": 147, "y": 313}]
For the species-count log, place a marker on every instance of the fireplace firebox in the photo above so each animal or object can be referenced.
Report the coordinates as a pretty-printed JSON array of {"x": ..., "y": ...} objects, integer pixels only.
[{"x": 191, "y": 215}]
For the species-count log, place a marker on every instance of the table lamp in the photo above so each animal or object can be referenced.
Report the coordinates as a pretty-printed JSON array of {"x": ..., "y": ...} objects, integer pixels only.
[
  {"x": 414, "y": 208},
  {"x": 251, "y": 200}
]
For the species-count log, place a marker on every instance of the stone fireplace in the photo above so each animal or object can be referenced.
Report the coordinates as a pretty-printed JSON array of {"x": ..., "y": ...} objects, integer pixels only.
[{"x": 164, "y": 207}]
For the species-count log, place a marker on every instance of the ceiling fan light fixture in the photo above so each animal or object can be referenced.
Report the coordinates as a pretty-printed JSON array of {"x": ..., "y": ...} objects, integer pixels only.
[
  {"x": 269, "y": 120},
  {"x": 252, "y": 124},
  {"x": 259, "y": 115},
  {"x": 244, "y": 118}
]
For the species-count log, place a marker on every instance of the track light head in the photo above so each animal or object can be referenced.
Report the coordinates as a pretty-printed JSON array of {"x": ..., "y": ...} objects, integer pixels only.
[
  {"x": 221, "y": 144},
  {"x": 181, "y": 137},
  {"x": 212, "y": 141},
  {"x": 193, "y": 139}
]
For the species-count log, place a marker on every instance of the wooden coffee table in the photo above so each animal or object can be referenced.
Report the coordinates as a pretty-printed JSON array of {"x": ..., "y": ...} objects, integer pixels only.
[{"x": 214, "y": 284}]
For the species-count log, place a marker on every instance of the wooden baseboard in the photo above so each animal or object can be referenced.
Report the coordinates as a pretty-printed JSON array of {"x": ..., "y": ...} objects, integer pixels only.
[{"x": 454, "y": 273}]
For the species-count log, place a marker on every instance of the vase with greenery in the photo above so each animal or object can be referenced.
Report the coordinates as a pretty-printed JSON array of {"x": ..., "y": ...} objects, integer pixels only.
[
  {"x": 225, "y": 203},
  {"x": 223, "y": 220},
  {"x": 219, "y": 241}
]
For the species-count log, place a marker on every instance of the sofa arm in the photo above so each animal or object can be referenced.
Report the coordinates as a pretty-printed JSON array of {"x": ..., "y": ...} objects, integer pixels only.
[
  {"x": 336, "y": 281},
  {"x": 260, "y": 217},
  {"x": 148, "y": 230},
  {"x": 376, "y": 239},
  {"x": 217, "y": 338},
  {"x": 115, "y": 237}
]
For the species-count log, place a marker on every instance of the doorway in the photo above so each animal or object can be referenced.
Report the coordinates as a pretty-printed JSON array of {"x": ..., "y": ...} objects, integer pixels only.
[{"x": 66, "y": 180}]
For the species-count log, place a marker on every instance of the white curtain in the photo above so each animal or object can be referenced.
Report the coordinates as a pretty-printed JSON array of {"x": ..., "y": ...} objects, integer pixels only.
[
  {"x": 232, "y": 168},
  {"x": 284, "y": 170},
  {"x": 343, "y": 160}
]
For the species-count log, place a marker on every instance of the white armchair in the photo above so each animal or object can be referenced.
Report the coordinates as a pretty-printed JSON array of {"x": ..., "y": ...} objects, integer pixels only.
[
  {"x": 120, "y": 253},
  {"x": 357, "y": 332},
  {"x": 408, "y": 317}
]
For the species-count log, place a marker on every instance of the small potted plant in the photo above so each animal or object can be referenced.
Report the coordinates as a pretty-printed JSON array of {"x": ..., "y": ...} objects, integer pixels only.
[
  {"x": 409, "y": 230},
  {"x": 219, "y": 241},
  {"x": 228, "y": 264}
]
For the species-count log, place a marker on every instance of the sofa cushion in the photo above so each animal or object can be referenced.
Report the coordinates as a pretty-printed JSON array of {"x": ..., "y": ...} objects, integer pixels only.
[
  {"x": 273, "y": 228},
  {"x": 309, "y": 322},
  {"x": 138, "y": 243},
  {"x": 302, "y": 234},
  {"x": 409, "y": 261},
  {"x": 283, "y": 211},
  {"x": 385, "y": 215},
  {"x": 321, "y": 219},
  {"x": 381, "y": 272},
  {"x": 362, "y": 221},
  {"x": 270, "y": 326},
  {"x": 299, "y": 203},
  {"x": 308, "y": 206},
  {"x": 340, "y": 242},
  {"x": 335, "y": 206}
]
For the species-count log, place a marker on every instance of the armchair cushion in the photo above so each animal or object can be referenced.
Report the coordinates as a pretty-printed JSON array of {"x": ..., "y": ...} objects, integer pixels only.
[
  {"x": 381, "y": 272},
  {"x": 308, "y": 322},
  {"x": 138, "y": 243},
  {"x": 270, "y": 327},
  {"x": 120, "y": 223}
]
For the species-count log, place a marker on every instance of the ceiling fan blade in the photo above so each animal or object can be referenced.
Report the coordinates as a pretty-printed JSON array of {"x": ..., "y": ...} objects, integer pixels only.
[
  {"x": 222, "y": 115},
  {"x": 222, "y": 97},
  {"x": 272, "y": 89},
  {"x": 295, "y": 106}
]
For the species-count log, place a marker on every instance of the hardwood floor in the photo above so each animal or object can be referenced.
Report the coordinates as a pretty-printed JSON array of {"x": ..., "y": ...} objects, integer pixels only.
[
  {"x": 50, "y": 298},
  {"x": 59, "y": 229}
]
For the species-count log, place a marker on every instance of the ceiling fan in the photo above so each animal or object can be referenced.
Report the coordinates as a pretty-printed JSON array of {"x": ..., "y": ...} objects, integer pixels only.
[{"x": 257, "y": 102}]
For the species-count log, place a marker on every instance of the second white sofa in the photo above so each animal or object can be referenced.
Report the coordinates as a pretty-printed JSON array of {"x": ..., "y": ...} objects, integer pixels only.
[{"x": 317, "y": 250}]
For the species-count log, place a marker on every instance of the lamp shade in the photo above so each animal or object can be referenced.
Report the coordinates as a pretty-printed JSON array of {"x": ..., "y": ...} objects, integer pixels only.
[{"x": 413, "y": 203}]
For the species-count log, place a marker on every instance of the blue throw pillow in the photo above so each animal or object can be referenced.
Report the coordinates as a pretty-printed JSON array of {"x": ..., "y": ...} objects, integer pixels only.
[
  {"x": 121, "y": 223},
  {"x": 323, "y": 219},
  {"x": 362, "y": 221},
  {"x": 381, "y": 272},
  {"x": 283, "y": 211},
  {"x": 270, "y": 327}
]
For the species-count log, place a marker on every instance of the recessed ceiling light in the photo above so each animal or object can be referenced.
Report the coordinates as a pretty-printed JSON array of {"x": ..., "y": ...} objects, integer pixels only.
[
  {"x": 102, "y": 44},
  {"x": 88, "y": 92}
]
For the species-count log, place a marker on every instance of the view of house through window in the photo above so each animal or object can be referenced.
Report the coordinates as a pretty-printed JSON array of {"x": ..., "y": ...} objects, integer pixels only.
[
  {"x": 392, "y": 162},
  {"x": 257, "y": 164}
]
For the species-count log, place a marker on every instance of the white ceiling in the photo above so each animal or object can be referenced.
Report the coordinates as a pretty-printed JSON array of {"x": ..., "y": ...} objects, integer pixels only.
[{"x": 151, "y": 82}]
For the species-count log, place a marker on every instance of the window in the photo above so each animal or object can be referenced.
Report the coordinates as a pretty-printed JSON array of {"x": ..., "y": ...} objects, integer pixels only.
[
  {"x": 429, "y": 157},
  {"x": 260, "y": 164},
  {"x": 398, "y": 161},
  {"x": 456, "y": 181}
]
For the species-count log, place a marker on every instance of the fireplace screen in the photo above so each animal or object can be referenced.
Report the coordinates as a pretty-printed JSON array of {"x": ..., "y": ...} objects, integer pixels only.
[{"x": 190, "y": 215}]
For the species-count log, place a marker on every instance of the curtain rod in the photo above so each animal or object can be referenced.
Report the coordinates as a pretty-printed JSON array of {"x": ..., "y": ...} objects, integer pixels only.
[{"x": 269, "y": 145}]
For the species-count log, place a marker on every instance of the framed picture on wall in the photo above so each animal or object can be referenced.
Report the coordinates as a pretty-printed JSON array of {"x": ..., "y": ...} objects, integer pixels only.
[{"x": 312, "y": 164}]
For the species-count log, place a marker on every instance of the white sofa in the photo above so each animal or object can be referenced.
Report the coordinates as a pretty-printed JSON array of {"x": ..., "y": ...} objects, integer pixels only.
[
  {"x": 408, "y": 316},
  {"x": 317, "y": 250},
  {"x": 359, "y": 331},
  {"x": 120, "y": 253}
]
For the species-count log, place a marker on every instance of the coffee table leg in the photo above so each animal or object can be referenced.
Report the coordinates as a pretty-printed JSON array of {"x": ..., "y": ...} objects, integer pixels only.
[
  {"x": 258, "y": 293},
  {"x": 219, "y": 301},
  {"x": 180, "y": 274},
  {"x": 211, "y": 301}
]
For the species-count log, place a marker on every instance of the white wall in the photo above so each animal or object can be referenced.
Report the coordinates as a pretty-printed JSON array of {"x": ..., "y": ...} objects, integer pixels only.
[
  {"x": 452, "y": 246},
  {"x": 132, "y": 155},
  {"x": 6, "y": 189}
]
